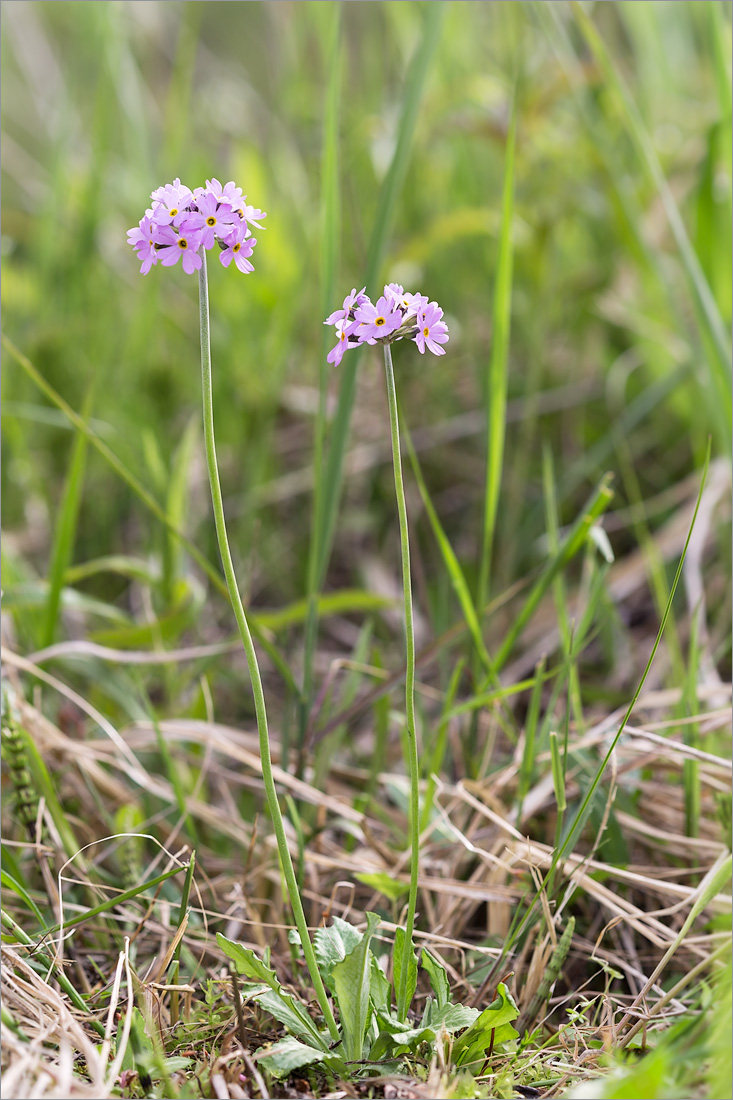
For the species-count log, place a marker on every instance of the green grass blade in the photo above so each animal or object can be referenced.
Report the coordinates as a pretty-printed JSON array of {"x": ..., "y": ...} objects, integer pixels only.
[
  {"x": 114, "y": 461},
  {"x": 21, "y": 936},
  {"x": 582, "y": 812},
  {"x": 530, "y": 738},
  {"x": 450, "y": 560},
  {"x": 330, "y": 245},
  {"x": 558, "y": 585},
  {"x": 11, "y": 883},
  {"x": 44, "y": 783},
  {"x": 176, "y": 503},
  {"x": 496, "y": 389},
  {"x": 438, "y": 750},
  {"x": 573, "y": 542},
  {"x": 720, "y": 41},
  {"x": 110, "y": 903},
  {"x": 147, "y": 499},
  {"x": 710, "y": 319},
  {"x": 183, "y": 911},
  {"x": 65, "y": 527},
  {"x": 386, "y": 206}
]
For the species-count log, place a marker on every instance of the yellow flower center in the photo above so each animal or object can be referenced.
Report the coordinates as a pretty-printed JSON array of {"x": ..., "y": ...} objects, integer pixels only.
[
  {"x": 379, "y": 321},
  {"x": 426, "y": 332},
  {"x": 237, "y": 247},
  {"x": 182, "y": 243},
  {"x": 211, "y": 220},
  {"x": 173, "y": 211}
]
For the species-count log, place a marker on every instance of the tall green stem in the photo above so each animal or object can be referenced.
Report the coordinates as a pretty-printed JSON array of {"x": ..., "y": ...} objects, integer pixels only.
[
  {"x": 412, "y": 760},
  {"x": 251, "y": 654}
]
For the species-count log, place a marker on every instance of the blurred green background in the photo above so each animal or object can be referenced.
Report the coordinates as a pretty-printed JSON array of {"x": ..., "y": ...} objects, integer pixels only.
[{"x": 613, "y": 362}]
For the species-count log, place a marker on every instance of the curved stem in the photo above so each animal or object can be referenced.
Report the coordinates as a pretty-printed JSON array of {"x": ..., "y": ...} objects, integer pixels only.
[
  {"x": 413, "y": 764},
  {"x": 251, "y": 654}
]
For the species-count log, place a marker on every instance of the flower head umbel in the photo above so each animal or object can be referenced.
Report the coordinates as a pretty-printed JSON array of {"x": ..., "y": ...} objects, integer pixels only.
[
  {"x": 396, "y": 315},
  {"x": 181, "y": 221}
]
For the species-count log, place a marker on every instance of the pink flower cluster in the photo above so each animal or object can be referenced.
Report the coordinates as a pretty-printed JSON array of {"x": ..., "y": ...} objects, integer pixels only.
[
  {"x": 396, "y": 315},
  {"x": 182, "y": 221}
]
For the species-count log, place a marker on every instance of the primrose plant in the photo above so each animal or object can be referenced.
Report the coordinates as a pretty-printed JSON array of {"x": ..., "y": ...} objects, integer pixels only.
[
  {"x": 185, "y": 224},
  {"x": 397, "y": 314}
]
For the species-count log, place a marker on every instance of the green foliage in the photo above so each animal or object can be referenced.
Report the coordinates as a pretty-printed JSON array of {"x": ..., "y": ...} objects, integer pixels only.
[
  {"x": 371, "y": 1031},
  {"x": 290, "y": 1054},
  {"x": 350, "y": 980},
  {"x": 267, "y": 991},
  {"x": 491, "y": 1028},
  {"x": 333, "y": 943}
]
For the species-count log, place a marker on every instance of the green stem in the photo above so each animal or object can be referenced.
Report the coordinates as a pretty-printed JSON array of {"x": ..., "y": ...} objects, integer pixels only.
[
  {"x": 251, "y": 654},
  {"x": 413, "y": 765}
]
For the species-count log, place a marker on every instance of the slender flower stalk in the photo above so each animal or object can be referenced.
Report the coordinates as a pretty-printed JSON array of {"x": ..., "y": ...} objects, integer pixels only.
[
  {"x": 412, "y": 758},
  {"x": 397, "y": 315},
  {"x": 251, "y": 654}
]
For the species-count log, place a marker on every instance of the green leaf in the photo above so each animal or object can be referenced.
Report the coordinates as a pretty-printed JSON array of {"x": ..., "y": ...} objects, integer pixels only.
[
  {"x": 438, "y": 978},
  {"x": 283, "y": 1006},
  {"x": 187, "y": 601},
  {"x": 290, "y": 1054},
  {"x": 351, "y": 980},
  {"x": 450, "y": 559},
  {"x": 65, "y": 526},
  {"x": 334, "y": 943},
  {"x": 491, "y": 1028},
  {"x": 391, "y": 888},
  {"x": 31, "y": 594},
  {"x": 451, "y": 1017},
  {"x": 346, "y": 601},
  {"x": 176, "y": 505},
  {"x": 573, "y": 542},
  {"x": 380, "y": 989},
  {"x": 11, "y": 883},
  {"x": 396, "y": 1036},
  {"x": 496, "y": 382},
  {"x": 124, "y": 565},
  {"x": 399, "y": 946}
]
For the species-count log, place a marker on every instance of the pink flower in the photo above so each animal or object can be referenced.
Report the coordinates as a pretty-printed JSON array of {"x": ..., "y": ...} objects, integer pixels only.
[
  {"x": 212, "y": 219},
  {"x": 252, "y": 215},
  {"x": 431, "y": 331},
  {"x": 181, "y": 221},
  {"x": 230, "y": 193},
  {"x": 174, "y": 245},
  {"x": 376, "y": 322},
  {"x": 393, "y": 292},
  {"x": 350, "y": 301},
  {"x": 413, "y": 303},
  {"x": 238, "y": 248},
  {"x": 336, "y": 353},
  {"x": 142, "y": 240},
  {"x": 397, "y": 315},
  {"x": 171, "y": 202}
]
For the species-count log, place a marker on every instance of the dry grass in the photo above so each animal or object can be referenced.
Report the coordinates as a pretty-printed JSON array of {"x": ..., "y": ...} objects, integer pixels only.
[{"x": 478, "y": 864}]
